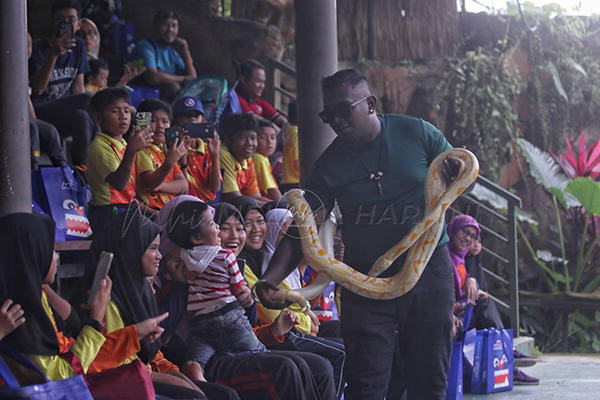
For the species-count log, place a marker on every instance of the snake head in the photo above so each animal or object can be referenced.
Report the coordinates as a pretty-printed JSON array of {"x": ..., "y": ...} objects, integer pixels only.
[{"x": 375, "y": 270}]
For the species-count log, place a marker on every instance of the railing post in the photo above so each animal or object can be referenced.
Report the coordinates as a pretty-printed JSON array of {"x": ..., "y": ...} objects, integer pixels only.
[
  {"x": 513, "y": 266},
  {"x": 270, "y": 84}
]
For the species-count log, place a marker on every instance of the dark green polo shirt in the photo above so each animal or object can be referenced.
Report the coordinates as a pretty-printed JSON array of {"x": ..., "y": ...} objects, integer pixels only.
[{"x": 372, "y": 224}]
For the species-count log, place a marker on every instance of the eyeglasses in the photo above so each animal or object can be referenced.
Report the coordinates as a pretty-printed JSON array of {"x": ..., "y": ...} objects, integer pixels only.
[
  {"x": 341, "y": 111},
  {"x": 91, "y": 33},
  {"x": 466, "y": 233},
  {"x": 71, "y": 19}
]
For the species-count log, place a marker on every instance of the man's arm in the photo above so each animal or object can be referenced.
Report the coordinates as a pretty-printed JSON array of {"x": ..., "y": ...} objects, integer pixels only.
[
  {"x": 280, "y": 121},
  {"x": 58, "y": 47},
  {"x": 156, "y": 77},
  {"x": 181, "y": 45},
  {"x": 78, "y": 85}
]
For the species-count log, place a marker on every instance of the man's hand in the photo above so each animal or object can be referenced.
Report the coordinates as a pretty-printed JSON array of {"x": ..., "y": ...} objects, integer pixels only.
[
  {"x": 244, "y": 296},
  {"x": 61, "y": 45},
  {"x": 181, "y": 45},
  {"x": 284, "y": 322},
  {"x": 214, "y": 145},
  {"x": 265, "y": 291},
  {"x": 139, "y": 141},
  {"x": 101, "y": 299},
  {"x": 471, "y": 289},
  {"x": 11, "y": 317},
  {"x": 149, "y": 328}
]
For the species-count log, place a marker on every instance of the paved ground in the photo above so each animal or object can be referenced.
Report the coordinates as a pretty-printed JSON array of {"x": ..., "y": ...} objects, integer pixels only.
[{"x": 562, "y": 376}]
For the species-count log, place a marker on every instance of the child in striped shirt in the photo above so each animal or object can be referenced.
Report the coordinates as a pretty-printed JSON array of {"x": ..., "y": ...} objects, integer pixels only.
[{"x": 218, "y": 323}]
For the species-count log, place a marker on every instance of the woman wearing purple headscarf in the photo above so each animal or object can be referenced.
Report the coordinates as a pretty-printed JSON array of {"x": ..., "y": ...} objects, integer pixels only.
[{"x": 462, "y": 230}]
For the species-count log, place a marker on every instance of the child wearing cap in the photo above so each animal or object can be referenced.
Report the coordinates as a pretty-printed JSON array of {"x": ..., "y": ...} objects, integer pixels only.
[{"x": 204, "y": 168}]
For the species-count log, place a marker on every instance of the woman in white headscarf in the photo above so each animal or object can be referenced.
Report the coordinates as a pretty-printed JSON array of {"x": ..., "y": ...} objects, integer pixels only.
[
  {"x": 278, "y": 222},
  {"x": 91, "y": 36}
]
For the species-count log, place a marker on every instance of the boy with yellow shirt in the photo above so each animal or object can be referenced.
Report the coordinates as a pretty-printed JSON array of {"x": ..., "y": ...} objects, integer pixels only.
[
  {"x": 267, "y": 141},
  {"x": 160, "y": 176},
  {"x": 291, "y": 160},
  {"x": 111, "y": 160}
]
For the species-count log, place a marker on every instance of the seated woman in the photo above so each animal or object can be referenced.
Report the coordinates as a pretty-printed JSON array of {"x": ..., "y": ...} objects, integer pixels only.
[
  {"x": 257, "y": 256},
  {"x": 463, "y": 230}
]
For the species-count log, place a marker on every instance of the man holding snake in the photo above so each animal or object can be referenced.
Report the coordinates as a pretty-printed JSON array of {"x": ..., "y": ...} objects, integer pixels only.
[{"x": 376, "y": 170}]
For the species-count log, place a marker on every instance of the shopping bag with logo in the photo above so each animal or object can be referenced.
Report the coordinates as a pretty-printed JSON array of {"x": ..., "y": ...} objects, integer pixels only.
[
  {"x": 58, "y": 194},
  {"x": 325, "y": 309},
  {"x": 494, "y": 366},
  {"x": 455, "y": 373}
]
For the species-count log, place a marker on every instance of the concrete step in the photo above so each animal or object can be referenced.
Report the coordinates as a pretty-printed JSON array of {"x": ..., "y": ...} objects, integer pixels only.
[{"x": 524, "y": 344}]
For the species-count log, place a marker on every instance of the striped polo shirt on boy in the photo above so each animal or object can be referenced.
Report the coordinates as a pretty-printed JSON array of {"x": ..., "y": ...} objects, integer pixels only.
[
  {"x": 151, "y": 159},
  {"x": 264, "y": 174},
  {"x": 103, "y": 158},
  {"x": 237, "y": 177},
  {"x": 199, "y": 170}
]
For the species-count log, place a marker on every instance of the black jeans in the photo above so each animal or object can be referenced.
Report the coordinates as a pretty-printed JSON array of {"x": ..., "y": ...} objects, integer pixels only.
[
  {"x": 423, "y": 319},
  {"x": 48, "y": 141},
  {"x": 68, "y": 114}
]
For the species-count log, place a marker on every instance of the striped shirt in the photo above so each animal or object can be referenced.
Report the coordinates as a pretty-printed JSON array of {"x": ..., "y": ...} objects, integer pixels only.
[{"x": 214, "y": 287}]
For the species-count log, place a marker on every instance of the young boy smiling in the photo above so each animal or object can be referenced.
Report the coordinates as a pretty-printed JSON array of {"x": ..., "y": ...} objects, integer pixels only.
[
  {"x": 267, "y": 142},
  {"x": 240, "y": 137},
  {"x": 111, "y": 160}
]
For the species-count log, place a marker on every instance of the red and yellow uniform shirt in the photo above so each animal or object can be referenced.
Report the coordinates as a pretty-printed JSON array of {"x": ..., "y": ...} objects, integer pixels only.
[
  {"x": 238, "y": 177},
  {"x": 199, "y": 170},
  {"x": 151, "y": 159},
  {"x": 264, "y": 174}
]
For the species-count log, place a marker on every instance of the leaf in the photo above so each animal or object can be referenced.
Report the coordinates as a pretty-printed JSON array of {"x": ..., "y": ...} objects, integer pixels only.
[
  {"x": 576, "y": 66},
  {"x": 557, "y": 82},
  {"x": 482, "y": 193},
  {"x": 587, "y": 191},
  {"x": 546, "y": 255},
  {"x": 566, "y": 199},
  {"x": 544, "y": 169}
]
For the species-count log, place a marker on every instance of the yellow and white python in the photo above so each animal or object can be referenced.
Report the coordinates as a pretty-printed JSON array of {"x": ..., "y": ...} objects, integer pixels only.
[{"x": 420, "y": 241}]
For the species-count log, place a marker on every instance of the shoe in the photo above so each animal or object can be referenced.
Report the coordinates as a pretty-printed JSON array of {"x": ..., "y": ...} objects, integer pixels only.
[
  {"x": 521, "y": 378},
  {"x": 522, "y": 360}
]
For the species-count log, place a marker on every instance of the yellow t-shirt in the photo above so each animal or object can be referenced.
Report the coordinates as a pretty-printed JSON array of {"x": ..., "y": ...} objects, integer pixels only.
[
  {"x": 266, "y": 316},
  {"x": 290, "y": 155},
  {"x": 103, "y": 158},
  {"x": 264, "y": 174},
  {"x": 151, "y": 159},
  {"x": 237, "y": 177}
]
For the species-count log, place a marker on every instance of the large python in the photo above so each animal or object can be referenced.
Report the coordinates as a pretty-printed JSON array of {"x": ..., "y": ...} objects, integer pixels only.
[{"x": 420, "y": 241}]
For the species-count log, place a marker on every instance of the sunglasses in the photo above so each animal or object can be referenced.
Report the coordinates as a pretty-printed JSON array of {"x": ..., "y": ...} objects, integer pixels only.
[{"x": 341, "y": 111}]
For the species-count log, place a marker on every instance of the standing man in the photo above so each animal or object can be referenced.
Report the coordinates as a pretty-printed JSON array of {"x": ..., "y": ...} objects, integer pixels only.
[
  {"x": 167, "y": 58},
  {"x": 375, "y": 169}
]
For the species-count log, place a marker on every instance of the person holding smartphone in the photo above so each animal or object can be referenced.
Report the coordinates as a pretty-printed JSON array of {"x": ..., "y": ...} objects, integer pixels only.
[{"x": 56, "y": 69}]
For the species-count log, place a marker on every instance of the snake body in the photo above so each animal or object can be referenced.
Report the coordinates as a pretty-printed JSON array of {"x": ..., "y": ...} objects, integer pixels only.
[{"x": 420, "y": 241}]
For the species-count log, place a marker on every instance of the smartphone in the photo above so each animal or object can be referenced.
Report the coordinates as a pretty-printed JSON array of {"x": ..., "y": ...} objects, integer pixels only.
[
  {"x": 66, "y": 28},
  {"x": 171, "y": 135},
  {"x": 337, "y": 246},
  {"x": 142, "y": 122},
  {"x": 101, "y": 273},
  {"x": 202, "y": 131},
  {"x": 137, "y": 63}
]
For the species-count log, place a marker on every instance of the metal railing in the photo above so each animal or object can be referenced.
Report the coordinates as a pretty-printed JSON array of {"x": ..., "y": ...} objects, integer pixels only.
[
  {"x": 273, "y": 90},
  {"x": 510, "y": 257}
]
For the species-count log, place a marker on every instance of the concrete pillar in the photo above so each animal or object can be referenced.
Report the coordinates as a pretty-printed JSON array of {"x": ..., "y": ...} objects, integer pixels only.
[
  {"x": 15, "y": 166},
  {"x": 316, "y": 57}
]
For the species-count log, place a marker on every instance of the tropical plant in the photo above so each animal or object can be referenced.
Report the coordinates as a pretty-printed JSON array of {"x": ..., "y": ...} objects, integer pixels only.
[{"x": 586, "y": 163}]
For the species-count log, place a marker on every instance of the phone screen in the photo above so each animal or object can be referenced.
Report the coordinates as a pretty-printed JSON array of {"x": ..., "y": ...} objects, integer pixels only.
[
  {"x": 66, "y": 28},
  {"x": 202, "y": 131},
  {"x": 101, "y": 272},
  {"x": 171, "y": 135}
]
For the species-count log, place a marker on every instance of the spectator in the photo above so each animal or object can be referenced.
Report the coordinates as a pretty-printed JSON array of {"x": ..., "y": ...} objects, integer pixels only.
[
  {"x": 239, "y": 135},
  {"x": 56, "y": 70},
  {"x": 97, "y": 78},
  {"x": 158, "y": 167},
  {"x": 204, "y": 167},
  {"x": 91, "y": 38},
  {"x": 167, "y": 58},
  {"x": 111, "y": 159},
  {"x": 267, "y": 140},
  {"x": 249, "y": 91},
  {"x": 291, "y": 158}
]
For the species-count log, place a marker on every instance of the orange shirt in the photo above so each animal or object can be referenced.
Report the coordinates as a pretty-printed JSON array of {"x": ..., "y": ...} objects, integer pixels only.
[
  {"x": 151, "y": 159},
  {"x": 199, "y": 170}
]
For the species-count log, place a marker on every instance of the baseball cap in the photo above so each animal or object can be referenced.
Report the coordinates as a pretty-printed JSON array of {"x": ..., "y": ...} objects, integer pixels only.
[{"x": 187, "y": 103}]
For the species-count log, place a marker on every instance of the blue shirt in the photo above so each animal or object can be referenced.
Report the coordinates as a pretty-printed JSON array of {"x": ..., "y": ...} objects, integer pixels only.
[
  {"x": 165, "y": 59},
  {"x": 66, "y": 69},
  {"x": 373, "y": 224}
]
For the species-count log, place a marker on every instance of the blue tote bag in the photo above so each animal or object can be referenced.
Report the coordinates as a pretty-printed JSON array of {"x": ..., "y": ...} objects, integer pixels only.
[
  {"x": 455, "y": 373},
  {"x": 493, "y": 361},
  {"x": 67, "y": 389}
]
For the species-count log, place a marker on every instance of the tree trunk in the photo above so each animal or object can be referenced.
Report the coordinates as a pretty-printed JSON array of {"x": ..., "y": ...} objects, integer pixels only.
[{"x": 399, "y": 29}]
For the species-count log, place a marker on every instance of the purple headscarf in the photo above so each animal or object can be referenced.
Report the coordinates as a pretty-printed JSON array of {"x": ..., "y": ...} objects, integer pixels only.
[{"x": 458, "y": 257}]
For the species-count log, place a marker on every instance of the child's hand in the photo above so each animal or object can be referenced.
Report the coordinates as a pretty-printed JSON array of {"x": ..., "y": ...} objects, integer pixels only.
[
  {"x": 139, "y": 141},
  {"x": 175, "y": 269},
  {"x": 173, "y": 154},
  {"x": 187, "y": 143},
  {"x": 314, "y": 321},
  {"x": 149, "y": 328},
  {"x": 101, "y": 299},
  {"x": 243, "y": 294},
  {"x": 11, "y": 317},
  {"x": 214, "y": 145},
  {"x": 284, "y": 323}
]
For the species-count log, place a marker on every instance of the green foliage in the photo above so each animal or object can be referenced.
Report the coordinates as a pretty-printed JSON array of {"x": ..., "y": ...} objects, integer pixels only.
[{"x": 587, "y": 191}]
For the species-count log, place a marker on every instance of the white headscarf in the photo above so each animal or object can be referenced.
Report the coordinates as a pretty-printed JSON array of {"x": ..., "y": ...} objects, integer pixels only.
[{"x": 275, "y": 220}]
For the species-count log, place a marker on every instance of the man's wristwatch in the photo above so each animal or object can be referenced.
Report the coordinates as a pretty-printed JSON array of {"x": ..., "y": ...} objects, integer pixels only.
[{"x": 97, "y": 325}]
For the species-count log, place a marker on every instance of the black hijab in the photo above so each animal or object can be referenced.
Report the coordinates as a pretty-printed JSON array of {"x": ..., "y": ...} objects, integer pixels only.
[
  {"x": 26, "y": 251},
  {"x": 128, "y": 239},
  {"x": 254, "y": 258},
  {"x": 223, "y": 211}
]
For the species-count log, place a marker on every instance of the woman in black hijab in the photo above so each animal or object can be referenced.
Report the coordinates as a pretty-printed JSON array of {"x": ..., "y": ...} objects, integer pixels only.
[{"x": 254, "y": 251}]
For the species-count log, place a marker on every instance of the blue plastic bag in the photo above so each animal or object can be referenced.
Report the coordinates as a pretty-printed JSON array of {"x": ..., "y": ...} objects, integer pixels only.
[
  {"x": 455, "y": 373},
  {"x": 326, "y": 309},
  {"x": 57, "y": 192},
  {"x": 67, "y": 389},
  {"x": 493, "y": 361}
]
